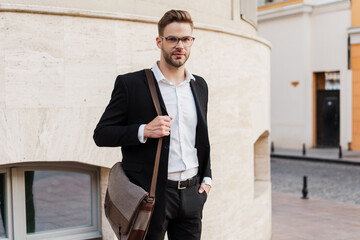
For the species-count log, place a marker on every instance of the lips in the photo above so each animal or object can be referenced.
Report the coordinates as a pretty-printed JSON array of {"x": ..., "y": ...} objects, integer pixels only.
[{"x": 178, "y": 54}]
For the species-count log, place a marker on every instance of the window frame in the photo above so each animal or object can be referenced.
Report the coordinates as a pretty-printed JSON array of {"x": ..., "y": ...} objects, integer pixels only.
[
  {"x": 16, "y": 204},
  {"x": 8, "y": 204}
]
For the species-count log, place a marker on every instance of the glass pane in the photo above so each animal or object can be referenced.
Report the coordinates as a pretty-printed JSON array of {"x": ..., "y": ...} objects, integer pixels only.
[
  {"x": 56, "y": 200},
  {"x": 3, "y": 205}
]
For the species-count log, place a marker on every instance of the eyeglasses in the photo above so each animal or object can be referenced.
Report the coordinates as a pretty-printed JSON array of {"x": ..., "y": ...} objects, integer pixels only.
[{"x": 173, "y": 41}]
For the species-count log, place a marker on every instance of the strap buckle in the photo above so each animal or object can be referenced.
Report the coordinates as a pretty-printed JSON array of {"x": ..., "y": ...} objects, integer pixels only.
[
  {"x": 150, "y": 199},
  {"x": 179, "y": 185}
]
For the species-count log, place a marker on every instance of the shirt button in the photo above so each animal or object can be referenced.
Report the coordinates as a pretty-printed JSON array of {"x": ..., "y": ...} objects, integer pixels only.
[{"x": 166, "y": 147}]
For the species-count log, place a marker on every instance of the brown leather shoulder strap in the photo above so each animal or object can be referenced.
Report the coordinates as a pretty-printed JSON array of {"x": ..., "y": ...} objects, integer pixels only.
[
  {"x": 154, "y": 95},
  {"x": 155, "y": 98}
]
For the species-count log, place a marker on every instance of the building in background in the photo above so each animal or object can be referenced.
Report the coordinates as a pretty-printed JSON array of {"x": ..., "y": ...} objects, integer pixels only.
[
  {"x": 315, "y": 87},
  {"x": 354, "y": 65},
  {"x": 58, "y": 64}
]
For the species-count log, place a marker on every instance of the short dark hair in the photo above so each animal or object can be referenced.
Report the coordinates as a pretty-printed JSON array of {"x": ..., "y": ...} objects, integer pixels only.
[{"x": 174, "y": 16}]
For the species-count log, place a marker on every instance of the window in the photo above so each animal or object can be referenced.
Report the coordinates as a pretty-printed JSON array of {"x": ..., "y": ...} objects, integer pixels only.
[
  {"x": 349, "y": 52},
  {"x": 332, "y": 80},
  {"x": 49, "y": 202},
  {"x": 3, "y": 222},
  {"x": 261, "y": 164}
]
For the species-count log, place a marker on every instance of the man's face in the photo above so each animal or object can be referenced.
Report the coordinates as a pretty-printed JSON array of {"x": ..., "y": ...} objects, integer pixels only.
[{"x": 175, "y": 55}]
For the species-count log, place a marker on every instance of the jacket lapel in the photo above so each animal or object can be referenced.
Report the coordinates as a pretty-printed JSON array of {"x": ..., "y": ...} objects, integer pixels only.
[{"x": 199, "y": 101}]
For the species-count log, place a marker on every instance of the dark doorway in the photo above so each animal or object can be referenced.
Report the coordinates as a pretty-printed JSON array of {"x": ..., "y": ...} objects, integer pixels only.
[{"x": 327, "y": 118}]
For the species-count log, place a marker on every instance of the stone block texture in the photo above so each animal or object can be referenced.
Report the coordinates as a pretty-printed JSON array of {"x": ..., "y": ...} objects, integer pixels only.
[{"x": 57, "y": 72}]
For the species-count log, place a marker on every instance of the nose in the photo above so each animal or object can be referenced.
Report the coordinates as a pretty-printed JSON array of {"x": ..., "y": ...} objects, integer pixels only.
[{"x": 180, "y": 42}]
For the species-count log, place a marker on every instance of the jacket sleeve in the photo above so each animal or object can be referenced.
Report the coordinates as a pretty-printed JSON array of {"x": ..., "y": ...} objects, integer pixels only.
[
  {"x": 113, "y": 129},
  {"x": 208, "y": 167},
  {"x": 207, "y": 160}
]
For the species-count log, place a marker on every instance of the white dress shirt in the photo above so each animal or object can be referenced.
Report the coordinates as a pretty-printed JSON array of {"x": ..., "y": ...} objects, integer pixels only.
[{"x": 180, "y": 105}]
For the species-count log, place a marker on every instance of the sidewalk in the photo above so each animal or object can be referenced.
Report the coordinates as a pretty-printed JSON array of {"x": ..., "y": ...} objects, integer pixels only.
[
  {"x": 312, "y": 219},
  {"x": 319, "y": 154}
]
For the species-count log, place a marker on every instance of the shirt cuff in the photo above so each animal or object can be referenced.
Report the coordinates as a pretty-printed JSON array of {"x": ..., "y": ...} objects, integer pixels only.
[
  {"x": 207, "y": 181},
  {"x": 141, "y": 134}
]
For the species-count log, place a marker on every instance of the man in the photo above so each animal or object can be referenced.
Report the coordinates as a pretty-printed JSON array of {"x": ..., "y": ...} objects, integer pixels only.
[{"x": 130, "y": 121}]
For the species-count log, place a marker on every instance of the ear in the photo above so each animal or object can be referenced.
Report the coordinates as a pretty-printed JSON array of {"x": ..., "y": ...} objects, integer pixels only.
[{"x": 158, "y": 42}]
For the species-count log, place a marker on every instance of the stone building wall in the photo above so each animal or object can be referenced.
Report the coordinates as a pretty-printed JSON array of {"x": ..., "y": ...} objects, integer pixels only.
[{"x": 58, "y": 64}]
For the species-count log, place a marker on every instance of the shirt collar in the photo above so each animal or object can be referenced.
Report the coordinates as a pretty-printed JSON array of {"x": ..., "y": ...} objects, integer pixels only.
[{"x": 159, "y": 76}]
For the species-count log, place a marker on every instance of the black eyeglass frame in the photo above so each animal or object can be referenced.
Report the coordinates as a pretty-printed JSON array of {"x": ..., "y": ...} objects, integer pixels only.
[{"x": 180, "y": 39}]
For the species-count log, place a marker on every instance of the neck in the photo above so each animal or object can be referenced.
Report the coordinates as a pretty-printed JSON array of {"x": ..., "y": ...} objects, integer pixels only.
[{"x": 171, "y": 73}]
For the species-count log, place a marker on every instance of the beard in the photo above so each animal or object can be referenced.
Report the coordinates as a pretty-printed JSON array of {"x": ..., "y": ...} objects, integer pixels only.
[{"x": 174, "y": 61}]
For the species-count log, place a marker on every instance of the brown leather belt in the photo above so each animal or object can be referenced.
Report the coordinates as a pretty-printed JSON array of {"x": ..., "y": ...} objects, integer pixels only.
[{"x": 183, "y": 184}]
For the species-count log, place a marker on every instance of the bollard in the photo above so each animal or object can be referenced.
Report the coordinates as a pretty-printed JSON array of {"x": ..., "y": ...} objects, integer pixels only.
[
  {"x": 349, "y": 146},
  {"x": 304, "y": 150},
  {"x": 305, "y": 189},
  {"x": 340, "y": 152},
  {"x": 272, "y": 147}
]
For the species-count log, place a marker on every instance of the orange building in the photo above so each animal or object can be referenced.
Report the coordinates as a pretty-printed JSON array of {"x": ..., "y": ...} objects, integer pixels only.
[{"x": 354, "y": 33}]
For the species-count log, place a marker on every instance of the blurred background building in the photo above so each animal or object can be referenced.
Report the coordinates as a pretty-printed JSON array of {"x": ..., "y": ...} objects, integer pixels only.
[
  {"x": 315, "y": 71},
  {"x": 58, "y": 64}
]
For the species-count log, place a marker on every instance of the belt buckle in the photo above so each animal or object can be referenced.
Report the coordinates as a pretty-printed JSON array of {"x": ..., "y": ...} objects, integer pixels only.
[{"x": 179, "y": 186}]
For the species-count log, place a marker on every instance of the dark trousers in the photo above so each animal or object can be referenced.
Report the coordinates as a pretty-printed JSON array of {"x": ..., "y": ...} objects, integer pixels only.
[{"x": 183, "y": 210}]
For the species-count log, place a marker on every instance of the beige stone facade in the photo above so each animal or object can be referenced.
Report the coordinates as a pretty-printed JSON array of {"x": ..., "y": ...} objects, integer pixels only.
[{"x": 58, "y": 64}]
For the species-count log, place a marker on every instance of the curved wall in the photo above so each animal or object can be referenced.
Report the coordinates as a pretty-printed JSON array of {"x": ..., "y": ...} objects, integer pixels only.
[
  {"x": 57, "y": 70},
  {"x": 220, "y": 13}
]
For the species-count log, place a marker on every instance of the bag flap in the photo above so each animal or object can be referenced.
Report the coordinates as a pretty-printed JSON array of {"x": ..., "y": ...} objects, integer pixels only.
[{"x": 124, "y": 195}]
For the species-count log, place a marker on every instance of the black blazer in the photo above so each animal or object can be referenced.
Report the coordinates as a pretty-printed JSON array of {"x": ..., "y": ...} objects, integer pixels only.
[{"x": 130, "y": 106}]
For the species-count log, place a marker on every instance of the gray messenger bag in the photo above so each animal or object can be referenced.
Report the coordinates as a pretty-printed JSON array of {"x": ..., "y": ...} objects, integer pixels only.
[{"x": 128, "y": 207}]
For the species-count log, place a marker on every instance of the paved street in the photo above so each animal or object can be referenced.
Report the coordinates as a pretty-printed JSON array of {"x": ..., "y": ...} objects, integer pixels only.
[
  {"x": 298, "y": 219},
  {"x": 331, "y": 213},
  {"x": 333, "y": 182}
]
